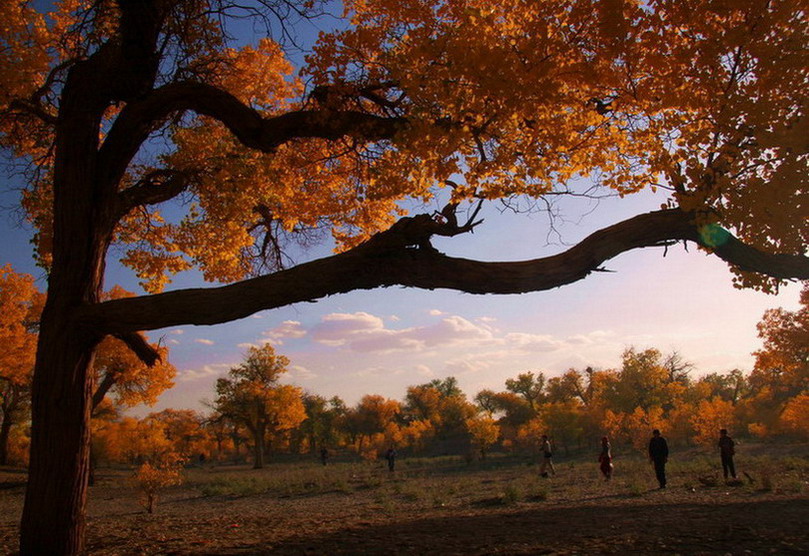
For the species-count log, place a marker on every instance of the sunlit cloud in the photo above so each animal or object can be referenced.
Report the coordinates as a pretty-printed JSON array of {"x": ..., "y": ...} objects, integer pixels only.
[
  {"x": 204, "y": 341},
  {"x": 177, "y": 331},
  {"x": 465, "y": 366},
  {"x": 533, "y": 342},
  {"x": 173, "y": 342},
  {"x": 424, "y": 370},
  {"x": 435, "y": 313},
  {"x": 367, "y": 333},
  {"x": 298, "y": 372},
  {"x": 246, "y": 345},
  {"x": 189, "y": 375},
  {"x": 287, "y": 329}
]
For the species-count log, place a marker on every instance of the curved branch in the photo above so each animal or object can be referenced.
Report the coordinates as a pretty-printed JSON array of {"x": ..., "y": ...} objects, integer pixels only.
[
  {"x": 155, "y": 187},
  {"x": 139, "y": 118},
  {"x": 366, "y": 268}
]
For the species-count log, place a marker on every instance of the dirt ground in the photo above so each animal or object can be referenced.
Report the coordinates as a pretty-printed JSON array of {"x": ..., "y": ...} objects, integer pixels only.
[{"x": 411, "y": 512}]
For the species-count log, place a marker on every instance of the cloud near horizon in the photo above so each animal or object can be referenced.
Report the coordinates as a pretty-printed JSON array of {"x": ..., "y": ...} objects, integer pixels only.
[
  {"x": 188, "y": 375},
  {"x": 363, "y": 332}
]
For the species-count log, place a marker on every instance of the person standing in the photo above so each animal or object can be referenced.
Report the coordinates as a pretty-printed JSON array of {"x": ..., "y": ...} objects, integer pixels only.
[
  {"x": 390, "y": 455},
  {"x": 547, "y": 455},
  {"x": 727, "y": 448},
  {"x": 659, "y": 456},
  {"x": 605, "y": 458}
]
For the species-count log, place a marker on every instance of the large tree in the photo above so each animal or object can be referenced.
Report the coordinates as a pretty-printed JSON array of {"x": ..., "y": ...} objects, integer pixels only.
[{"x": 118, "y": 106}]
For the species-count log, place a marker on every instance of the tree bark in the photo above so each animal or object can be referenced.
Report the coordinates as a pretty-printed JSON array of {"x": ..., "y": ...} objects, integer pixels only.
[
  {"x": 258, "y": 449},
  {"x": 5, "y": 429},
  {"x": 53, "y": 518}
]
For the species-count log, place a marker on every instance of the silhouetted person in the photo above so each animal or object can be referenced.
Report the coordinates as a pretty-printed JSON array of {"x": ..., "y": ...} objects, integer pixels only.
[
  {"x": 727, "y": 448},
  {"x": 605, "y": 458},
  {"x": 324, "y": 456},
  {"x": 659, "y": 455},
  {"x": 547, "y": 455},
  {"x": 390, "y": 455}
]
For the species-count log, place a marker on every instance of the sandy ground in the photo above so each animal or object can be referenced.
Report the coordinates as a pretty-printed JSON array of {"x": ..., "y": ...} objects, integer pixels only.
[{"x": 403, "y": 514}]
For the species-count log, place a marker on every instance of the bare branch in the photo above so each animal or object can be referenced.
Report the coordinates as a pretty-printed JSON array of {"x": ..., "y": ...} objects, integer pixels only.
[
  {"x": 139, "y": 346},
  {"x": 155, "y": 187}
]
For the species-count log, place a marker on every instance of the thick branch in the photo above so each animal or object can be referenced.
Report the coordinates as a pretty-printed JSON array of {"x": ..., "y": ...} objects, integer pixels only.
[
  {"x": 138, "y": 119},
  {"x": 156, "y": 187},
  {"x": 366, "y": 268},
  {"x": 139, "y": 346}
]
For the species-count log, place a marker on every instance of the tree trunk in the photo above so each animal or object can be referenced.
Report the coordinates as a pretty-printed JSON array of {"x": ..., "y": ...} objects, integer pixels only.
[
  {"x": 258, "y": 449},
  {"x": 5, "y": 429},
  {"x": 53, "y": 520}
]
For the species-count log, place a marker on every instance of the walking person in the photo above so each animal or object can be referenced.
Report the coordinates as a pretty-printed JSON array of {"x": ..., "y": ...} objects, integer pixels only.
[
  {"x": 727, "y": 449},
  {"x": 605, "y": 458},
  {"x": 659, "y": 456},
  {"x": 547, "y": 455}
]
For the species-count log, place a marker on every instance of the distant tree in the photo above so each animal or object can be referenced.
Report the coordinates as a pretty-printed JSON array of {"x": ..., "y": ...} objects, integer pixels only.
[
  {"x": 795, "y": 417},
  {"x": 251, "y": 396},
  {"x": 20, "y": 307},
  {"x": 484, "y": 433},
  {"x": 781, "y": 369},
  {"x": 531, "y": 387},
  {"x": 323, "y": 417},
  {"x": 732, "y": 386},
  {"x": 710, "y": 416}
]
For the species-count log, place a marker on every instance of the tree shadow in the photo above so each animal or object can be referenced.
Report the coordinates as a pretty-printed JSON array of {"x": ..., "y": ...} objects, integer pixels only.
[{"x": 761, "y": 526}]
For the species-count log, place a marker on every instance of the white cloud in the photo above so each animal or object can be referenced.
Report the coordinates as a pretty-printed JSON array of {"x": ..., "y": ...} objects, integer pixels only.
[
  {"x": 465, "y": 366},
  {"x": 363, "y": 332},
  {"x": 205, "y": 371},
  {"x": 204, "y": 341},
  {"x": 533, "y": 342},
  {"x": 339, "y": 329},
  {"x": 287, "y": 329},
  {"x": 424, "y": 370},
  {"x": 298, "y": 372},
  {"x": 435, "y": 312},
  {"x": 177, "y": 331},
  {"x": 246, "y": 345}
]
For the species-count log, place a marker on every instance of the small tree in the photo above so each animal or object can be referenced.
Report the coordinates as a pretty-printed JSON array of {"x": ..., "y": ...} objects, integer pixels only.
[
  {"x": 484, "y": 432},
  {"x": 251, "y": 396},
  {"x": 153, "y": 477}
]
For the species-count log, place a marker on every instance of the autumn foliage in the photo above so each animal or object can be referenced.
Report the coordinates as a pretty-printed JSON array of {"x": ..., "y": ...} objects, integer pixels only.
[{"x": 142, "y": 125}]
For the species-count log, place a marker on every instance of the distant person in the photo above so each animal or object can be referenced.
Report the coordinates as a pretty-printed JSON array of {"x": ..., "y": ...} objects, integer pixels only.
[
  {"x": 727, "y": 448},
  {"x": 324, "y": 456},
  {"x": 547, "y": 457},
  {"x": 659, "y": 456},
  {"x": 605, "y": 458},
  {"x": 390, "y": 455}
]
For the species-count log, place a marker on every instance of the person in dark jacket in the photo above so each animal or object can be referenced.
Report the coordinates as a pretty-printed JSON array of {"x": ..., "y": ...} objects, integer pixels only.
[
  {"x": 727, "y": 448},
  {"x": 659, "y": 456},
  {"x": 605, "y": 458}
]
